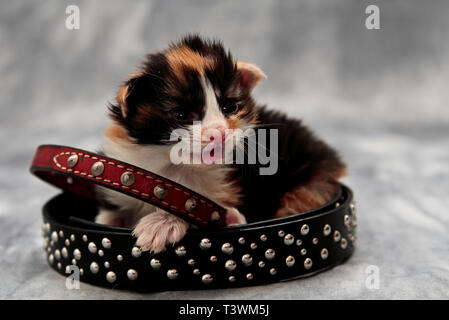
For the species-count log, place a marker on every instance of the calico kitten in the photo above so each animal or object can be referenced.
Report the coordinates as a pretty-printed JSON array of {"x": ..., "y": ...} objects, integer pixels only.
[{"x": 198, "y": 80}]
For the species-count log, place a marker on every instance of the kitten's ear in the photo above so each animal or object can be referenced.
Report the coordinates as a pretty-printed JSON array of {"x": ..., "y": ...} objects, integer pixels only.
[
  {"x": 123, "y": 96},
  {"x": 250, "y": 75}
]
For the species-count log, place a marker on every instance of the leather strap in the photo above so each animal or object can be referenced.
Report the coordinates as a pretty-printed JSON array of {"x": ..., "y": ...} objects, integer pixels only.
[{"x": 77, "y": 170}]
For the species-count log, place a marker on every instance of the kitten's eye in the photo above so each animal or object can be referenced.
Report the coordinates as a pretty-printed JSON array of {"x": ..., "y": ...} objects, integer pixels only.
[
  {"x": 180, "y": 114},
  {"x": 229, "y": 108}
]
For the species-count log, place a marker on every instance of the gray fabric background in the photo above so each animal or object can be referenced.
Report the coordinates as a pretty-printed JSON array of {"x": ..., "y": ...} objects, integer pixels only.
[{"x": 380, "y": 97}]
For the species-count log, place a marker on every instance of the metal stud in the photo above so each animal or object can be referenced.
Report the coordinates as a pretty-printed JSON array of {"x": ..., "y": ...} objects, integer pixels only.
[
  {"x": 180, "y": 251},
  {"x": 51, "y": 258},
  {"x": 232, "y": 279},
  {"x": 196, "y": 272},
  {"x": 172, "y": 274},
  {"x": 64, "y": 252},
  {"x": 81, "y": 272},
  {"x": 261, "y": 264},
  {"x": 74, "y": 261},
  {"x": 207, "y": 278},
  {"x": 107, "y": 264},
  {"x": 61, "y": 233},
  {"x": 54, "y": 236},
  {"x": 100, "y": 253},
  {"x": 67, "y": 269},
  {"x": 160, "y": 191},
  {"x": 59, "y": 265},
  {"x": 111, "y": 277},
  {"x": 249, "y": 276},
  {"x": 347, "y": 220},
  {"x": 92, "y": 247},
  {"x": 242, "y": 240},
  {"x": 273, "y": 271},
  {"x": 269, "y": 254},
  {"x": 57, "y": 254},
  {"x": 308, "y": 263},
  {"x": 298, "y": 242},
  {"x": 253, "y": 246},
  {"x": 106, "y": 243},
  {"x": 215, "y": 216},
  {"x": 337, "y": 236},
  {"x": 227, "y": 248},
  {"x": 155, "y": 264},
  {"x": 289, "y": 239},
  {"x": 205, "y": 244},
  {"x": 84, "y": 238},
  {"x": 132, "y": 274},
  {"x": 72, "y": 237},
  {"x": 337, "y": 204},
  {"x": 213, "y": 259},
  {"x": 94, "y": 267},
  {"x": 315, "y": 240},
  {"x": 290, "y": 261},
  {"x": 352, "y": 207},
  {"x": 97, "y": 169},
  {"x": 324, "y": 253},
  {"x": 247, "y": 259},
  {"x": 191, "y": 262},
  {"x": 190, "y": 205},
  {"x": 263, "y": 238},
  {"x": 127, "y": 178},
  {"x": 72, "y": 160},
  {"x": 303, "y": 251},
  {"x": 119, "y": 257},
  {"x": 136, "y": 252},
  {"x": 327, "y": 230},
  {"x": 304, "y": 229},
  {"x": 67, "y": 242},
  {"x": 343, "y": 243},
  {"x": 77, "y": 254},
  {"x": 230, "y": 265},
  {"x": 352, "y": 238},
  {"x": 281, "y": 233}
]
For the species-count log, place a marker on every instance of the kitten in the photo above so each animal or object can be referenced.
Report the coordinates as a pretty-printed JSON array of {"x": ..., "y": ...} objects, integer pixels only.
[{"x": 198, "y": 80}]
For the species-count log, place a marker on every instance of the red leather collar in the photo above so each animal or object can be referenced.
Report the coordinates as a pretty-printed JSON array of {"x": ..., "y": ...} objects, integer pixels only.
[{"x": 61, "y": 166}]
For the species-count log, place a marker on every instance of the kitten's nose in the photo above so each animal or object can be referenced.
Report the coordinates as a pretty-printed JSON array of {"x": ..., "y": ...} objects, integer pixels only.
[{"x": 220, "y": 128}]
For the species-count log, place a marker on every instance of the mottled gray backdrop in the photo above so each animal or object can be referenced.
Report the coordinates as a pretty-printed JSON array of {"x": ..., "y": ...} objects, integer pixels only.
[{"x": 379, "y": 96}]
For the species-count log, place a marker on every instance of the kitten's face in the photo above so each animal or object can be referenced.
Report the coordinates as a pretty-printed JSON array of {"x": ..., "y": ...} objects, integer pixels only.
[{"x": 194, "y": 80}]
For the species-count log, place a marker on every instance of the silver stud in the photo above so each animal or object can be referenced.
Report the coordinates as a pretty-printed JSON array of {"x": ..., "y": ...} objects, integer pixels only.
[
  {"x": 191, "y": 262},
  {"x": 299, "y": 242},
  {"x": 242, "y": 240},
  {"x": 230, "y": 265},
  {"x": 155, "y": 264},
  {"x": 51, "y": 258},
  {"x": 190, "y": 205},
  {"x": 107, "y": 264},
  {"x": 67, "y": 242},
  {"x": 207, "y": 278},
  {"x": 337, "y": 204},
  {"x": 247, "y": 259},
  {"x": 100, "y": 253},
  {"x": 213, "y": 259},
  {"x": 74, "y": 261},
  {"x": 303, "y": 251},
  {"x": 281, "y": 233},
  {"x": 92, "y": 247},
  {"x": 205, "y": 244},
  {"x": 269, "y": 254},
  {"x": 94, "y": 267},
  {"x": 324, "y": 253},
  {"x": 132, "y": 274},
  {"x": 127, "y": 178},
  {"x": 337, "y": 236},
  {"x": 84, "y": 238},
  {"x": 343, "y": 243},
  {"x": 81, "y": 272},
  {"x": 111, "y": 277},
  {"x": 106, "y": 243},
  {"x": 352, "y": 238},
  {"x": 97, "y": 169},
  {"x": 249, "y": 276},
  {"x": 352, "y": 207},
  {"x": 315, "y": 240},
  {"x": 273, "y": 271},
  {"x": 72, "y": 160},
  {"x": 59, "y": 265},
  {"x": 290, "y": 261},
  {"x": 54, "y": 236},
  {"x": 180, "y": 251},
  {"x": 119, "y": 257},
  {"x": 261, "y": 264},
  {"x": 77, "y": 254},
  {"x": 72, "y": 237},
  {"x": 215, "y": 216},
  {"x": 172, "y": 274},
  {"x": 57, "y": 254},
  {"x": 67, "y": 269},
  {"x": 136, "y": 252},
  {"x": 308, "y": 263},
  {"x": 289, "y": 239},
  {"x": 304, "y": 229},
  {"x": 227, "y": 248},
  {"x": 160, "y": 191},
  {"x": 64, "y": 252},
  {"x": 263, "y": 238},
  {"x": 196, "y": 272},
  {"x": 253, "y": 246},
  {"x": 327, "y": 230},
  {"x": 232, "y": 279},
  {"x": 61, "y": 233}
]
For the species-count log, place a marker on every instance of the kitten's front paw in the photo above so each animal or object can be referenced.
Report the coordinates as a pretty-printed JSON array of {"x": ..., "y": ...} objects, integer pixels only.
[
  {"x": 234, "y": 217},
  {"x": 158, "y": 229}
]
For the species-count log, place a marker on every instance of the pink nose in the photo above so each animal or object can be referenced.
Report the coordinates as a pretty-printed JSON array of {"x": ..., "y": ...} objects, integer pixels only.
[{"x": 220, "y": 128}]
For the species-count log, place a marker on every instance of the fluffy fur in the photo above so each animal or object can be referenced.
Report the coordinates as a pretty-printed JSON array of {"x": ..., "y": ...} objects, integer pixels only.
[{"x": 198, "y": 80}]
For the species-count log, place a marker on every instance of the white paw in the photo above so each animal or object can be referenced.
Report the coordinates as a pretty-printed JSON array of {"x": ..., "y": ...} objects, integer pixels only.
[
  {"x": 158, "y": 229},
  {"x": 234, "y": 217}
]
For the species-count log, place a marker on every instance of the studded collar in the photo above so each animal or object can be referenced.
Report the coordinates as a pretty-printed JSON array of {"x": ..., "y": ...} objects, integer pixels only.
[{"x": 257, "y": 253}]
